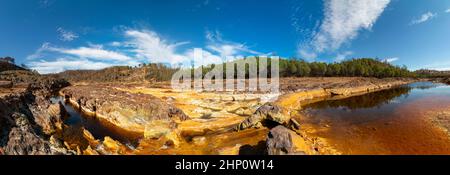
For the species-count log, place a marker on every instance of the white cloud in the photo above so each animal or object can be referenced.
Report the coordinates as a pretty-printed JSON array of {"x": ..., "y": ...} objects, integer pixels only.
[
  {"x": 343, "y": 56},
  {"x": 38, "y": 53},
  {"x": 137, "y": 46},
  {"x": 390, "y": 60},
  {"x": 91, "y": 57},
  {"x": 227, "y": 48},
  {"x": 150, "y": 46},
  {"x": 208, "y": 57},
  {"x": 343, "y": 21},
  {"x": 425, "y": 17},
  {"x": 447, "y": 11},
  {"x": 63, "y": 64},
  {"x": 92, "y": 52},
  {"x": 307, "y": 54},
  {"x": 115, "y": 44},
  {"x": 65, "y": 35}
]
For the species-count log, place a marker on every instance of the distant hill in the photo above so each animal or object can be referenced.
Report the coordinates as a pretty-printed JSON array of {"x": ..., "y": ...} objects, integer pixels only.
[
  {"x": 432, "y": 73},
  {"x": 144, "y": 72},
  {"x": 363, "y": 67},
  {"x": 6, "y": 66},
  {"x": 16, "y": 74}
]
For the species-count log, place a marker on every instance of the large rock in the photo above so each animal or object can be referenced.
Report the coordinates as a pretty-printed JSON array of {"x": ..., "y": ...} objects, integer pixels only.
[
  {"x": 131, "y": 111},
  {"x": 283, "y": 141},
  {"x": 27, "y": 118},
  {"x": 266, "y": 113},
  {"x": 49, "y": 116},
  {"x": 23, "y": 140}
]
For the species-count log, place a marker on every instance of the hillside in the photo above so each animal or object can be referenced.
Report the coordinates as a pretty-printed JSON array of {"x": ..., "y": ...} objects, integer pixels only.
[
  {"x": 6, "y": 66},
  {"x": 150, "y": 72},
  {"x": 364, "y": 67},
  {"x": 15, "y": 74},
  {"x": 433, "y": 73}
]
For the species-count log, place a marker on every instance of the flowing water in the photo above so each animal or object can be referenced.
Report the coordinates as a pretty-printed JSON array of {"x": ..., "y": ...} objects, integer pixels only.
[{"x": 394, "y": 121}]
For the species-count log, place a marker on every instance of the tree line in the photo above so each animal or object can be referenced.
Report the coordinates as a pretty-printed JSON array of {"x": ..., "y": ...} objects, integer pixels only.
[{"x": 362, "y": 67}]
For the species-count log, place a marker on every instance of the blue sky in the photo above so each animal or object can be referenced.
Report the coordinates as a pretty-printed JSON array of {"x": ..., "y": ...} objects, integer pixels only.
[{"x": 57, "y": 35}]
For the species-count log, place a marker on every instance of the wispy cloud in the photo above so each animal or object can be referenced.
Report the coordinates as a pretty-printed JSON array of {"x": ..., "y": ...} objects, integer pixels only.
[
  {"x": 440, "y": 66},
  {"x": 52, "y": 59},
  {"x": 447, "y": 11},
  {"x": 149, "y": 45},
  {"x": 95, "y": 52},
  {"x": 63, "y": 64},
  {"x": 65, "y": 35},
  {"x": 45, "y": 3},
  {"x": 424, "y": 18},
  {"x": 38, "y": 53},
  {"x": 227, "y": 48},
  {"x": 344, "y": 19},
  {"x": 390, "y": 60},
  {"x": 343, "y": 56},
  {"x": 92, "y": 53},
  {"x": 137, "y": 46}
]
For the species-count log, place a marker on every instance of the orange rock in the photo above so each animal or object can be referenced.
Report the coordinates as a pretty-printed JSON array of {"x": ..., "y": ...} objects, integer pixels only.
[
  {"x": 90, "y": 138},
  {"x": 112, "y": 146},
  {"x": 90, "y": 151},
  {"x": 234, "y": 150}
]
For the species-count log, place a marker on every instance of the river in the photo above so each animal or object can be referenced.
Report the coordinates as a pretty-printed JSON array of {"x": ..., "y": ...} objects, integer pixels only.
[
  {"x": 76, "y": 121},
  {"x": 394, "y": 121}
]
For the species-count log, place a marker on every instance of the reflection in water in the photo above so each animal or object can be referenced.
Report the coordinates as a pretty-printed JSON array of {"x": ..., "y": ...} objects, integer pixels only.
[
  {"x": 364, "y": 101},
  {"x": 77, "y": 121},
  {"x": 386, "y": 122}
]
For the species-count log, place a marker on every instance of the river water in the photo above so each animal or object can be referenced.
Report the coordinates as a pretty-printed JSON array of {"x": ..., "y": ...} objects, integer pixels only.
[
  {"x": 394, "y": 121},
  {"x": 99, "y": 128}
]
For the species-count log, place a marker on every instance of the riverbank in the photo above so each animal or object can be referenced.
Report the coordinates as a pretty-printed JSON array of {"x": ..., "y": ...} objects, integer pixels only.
[
  {"x": 407, "y": 120},
  {"x": 212, "y": 118},
  {"x": 29, "y": 120}
]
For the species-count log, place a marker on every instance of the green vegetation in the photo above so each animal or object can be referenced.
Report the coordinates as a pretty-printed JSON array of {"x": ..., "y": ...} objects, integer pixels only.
[
  {"x": 425, "y": 73},
  {"x": 147, "y": 72},
  {"x": 363, "y": 67}
]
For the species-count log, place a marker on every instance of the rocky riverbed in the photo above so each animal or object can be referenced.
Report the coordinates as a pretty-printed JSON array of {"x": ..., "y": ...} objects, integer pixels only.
[
  {"x": 192, "y": 122},
  {"x": 169, "y": 122}
]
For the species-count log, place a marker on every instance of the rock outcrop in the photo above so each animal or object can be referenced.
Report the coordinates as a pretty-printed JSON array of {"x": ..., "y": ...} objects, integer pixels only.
[
  {"x": 131, "y": 111},
  {"x": 28, "y": 118},
  {"x": 266, "y": 115},
  {"x": 283, "y": 141}
]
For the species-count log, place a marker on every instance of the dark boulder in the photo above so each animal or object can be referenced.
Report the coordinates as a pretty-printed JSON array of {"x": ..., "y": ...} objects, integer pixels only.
[{"x": 283, "y": 141}]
